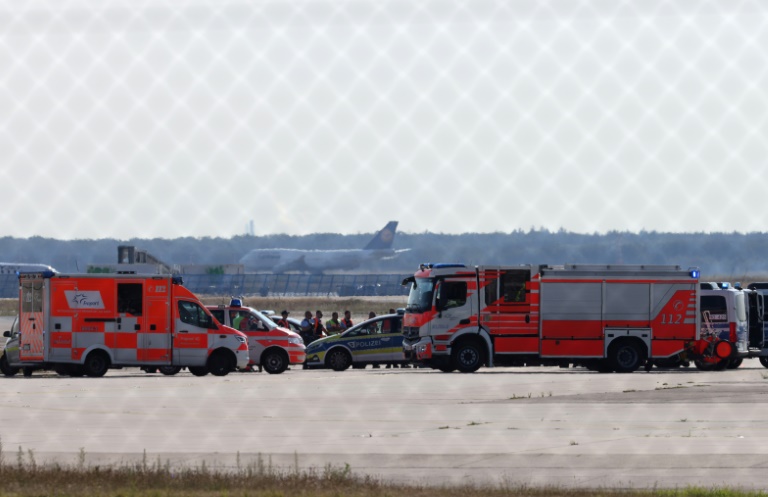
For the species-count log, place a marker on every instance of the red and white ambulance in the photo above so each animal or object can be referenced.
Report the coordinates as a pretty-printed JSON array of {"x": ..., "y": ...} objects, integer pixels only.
[
  {"x": 84, "y": 324},
  {"x": 270, "y": 346}
]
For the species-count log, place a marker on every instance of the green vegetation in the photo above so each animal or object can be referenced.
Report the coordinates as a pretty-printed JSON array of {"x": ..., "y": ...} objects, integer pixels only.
[{"x": 23, "y": 477}]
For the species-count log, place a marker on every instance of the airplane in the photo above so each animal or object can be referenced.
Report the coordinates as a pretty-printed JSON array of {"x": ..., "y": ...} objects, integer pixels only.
[{"x": 317, "y": 261}]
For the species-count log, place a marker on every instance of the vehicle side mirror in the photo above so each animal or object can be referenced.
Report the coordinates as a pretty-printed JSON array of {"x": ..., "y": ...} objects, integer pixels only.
[{"x": 7, "y": 334}]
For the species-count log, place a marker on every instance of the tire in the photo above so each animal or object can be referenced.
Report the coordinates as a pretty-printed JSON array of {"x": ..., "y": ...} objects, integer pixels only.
[
  {"x": 220, "y": 364},
  {"x": 446, "y": 369},
  {"x": 764, "y": 361},
  {"x": 27, "y": 372},
  {"x": 338, "y": 360},
  {"x": 198, "y": 370},
  {"x": 274, "y": 361},
  {"x": 169, "y": 370},
  {"x": 96, "y": 364},
  {"x": 735, "y": 363},
  {"x": 626, "y": 356},
  {"x": 467, "y": 356},
  {"x": 7, "y": 370}
]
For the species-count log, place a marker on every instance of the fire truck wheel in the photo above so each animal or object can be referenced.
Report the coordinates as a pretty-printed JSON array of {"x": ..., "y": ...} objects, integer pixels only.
[
  {"x": 625, "y": 356},
  {"x": 764, "y": 361},
  {"x": 735, "y": 363},
  {"x": 446, "y": 369},
  {"x": 169, "y": 370},
  {"x": 338, "y": 360},
  {"x": 711, "y": 365},
  {"x": 275, "y": 361},
  {"x": 7, "y": 370},
  {"x": 221, "y": 363},
  {"x": 467, "y": 356},
  {"x": 198, "y": 370},
  {"x": 96, "y": 364},
  {"x": 27, "y": 372}
]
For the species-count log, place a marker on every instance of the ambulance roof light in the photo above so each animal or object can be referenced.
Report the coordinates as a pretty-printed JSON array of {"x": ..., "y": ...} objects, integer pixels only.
[
  {"x": 236, "y": 302},
  {"x": 694, "y": 273}
]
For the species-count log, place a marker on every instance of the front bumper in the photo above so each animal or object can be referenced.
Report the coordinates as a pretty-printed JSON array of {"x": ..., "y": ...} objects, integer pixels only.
[{"x": 242, "y": 359}]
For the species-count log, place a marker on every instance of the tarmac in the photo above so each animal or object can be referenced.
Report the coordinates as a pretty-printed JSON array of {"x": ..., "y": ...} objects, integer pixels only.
[{"x": 503, "y": 427}]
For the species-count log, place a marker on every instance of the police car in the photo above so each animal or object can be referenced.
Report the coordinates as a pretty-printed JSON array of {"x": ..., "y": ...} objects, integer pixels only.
[
  {"x": 378, "y": 340},
  {"x": 269, "y": 346}
]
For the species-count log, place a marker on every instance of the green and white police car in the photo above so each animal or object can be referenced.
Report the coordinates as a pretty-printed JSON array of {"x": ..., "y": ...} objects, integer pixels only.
[{"x": 376, "y": 341}]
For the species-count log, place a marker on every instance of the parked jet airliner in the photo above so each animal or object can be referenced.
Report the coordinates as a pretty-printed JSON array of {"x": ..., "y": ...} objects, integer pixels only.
[{"x": 317, "y": 261}]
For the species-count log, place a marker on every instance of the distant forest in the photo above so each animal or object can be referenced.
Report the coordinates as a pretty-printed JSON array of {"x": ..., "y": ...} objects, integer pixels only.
[{"x": 732, "y": 255}]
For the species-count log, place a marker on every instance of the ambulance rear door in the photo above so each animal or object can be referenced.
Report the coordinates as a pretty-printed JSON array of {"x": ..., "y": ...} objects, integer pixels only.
[{"x": 32, "y": 318}]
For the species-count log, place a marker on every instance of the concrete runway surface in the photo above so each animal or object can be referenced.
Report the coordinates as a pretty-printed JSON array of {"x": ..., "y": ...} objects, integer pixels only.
[{"x": 508, "y": 426}]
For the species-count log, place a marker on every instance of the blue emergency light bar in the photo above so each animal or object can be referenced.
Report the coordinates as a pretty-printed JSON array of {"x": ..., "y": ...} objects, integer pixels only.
[
  {"x": 439, "y": 265},
  {"x": 695, "y": 273}
]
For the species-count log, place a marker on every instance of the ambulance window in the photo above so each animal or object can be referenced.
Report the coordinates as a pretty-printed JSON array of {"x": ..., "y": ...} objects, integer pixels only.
[
  {"x": 219, "y": 315},
  {"x": 129, "y": 298},
  {"x": 32, "y": 296},
  {"x": 192, "y": 314}
]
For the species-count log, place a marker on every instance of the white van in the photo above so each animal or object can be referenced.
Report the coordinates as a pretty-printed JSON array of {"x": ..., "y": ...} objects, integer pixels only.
[{"x": 724, "y": 315}]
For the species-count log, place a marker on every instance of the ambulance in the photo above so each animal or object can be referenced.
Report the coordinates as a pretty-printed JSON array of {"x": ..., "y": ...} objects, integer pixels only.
[
  {"x": 270, "y": 346},
  {"x": 85, "y": 324}
]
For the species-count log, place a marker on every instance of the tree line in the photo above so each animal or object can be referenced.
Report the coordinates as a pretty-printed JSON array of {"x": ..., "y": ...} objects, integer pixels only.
[{"x": 732, "y": 255}]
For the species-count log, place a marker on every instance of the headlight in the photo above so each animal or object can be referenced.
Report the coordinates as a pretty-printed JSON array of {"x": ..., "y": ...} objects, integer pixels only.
[
  {"x": 296, "y": 341},
  {"x": 240, "y": 339}
]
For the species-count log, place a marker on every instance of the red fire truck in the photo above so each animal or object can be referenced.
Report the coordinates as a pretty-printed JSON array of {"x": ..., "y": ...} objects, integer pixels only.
[
  {"x": 607, "y": 318},
  {"x": 83, "y": 324}
]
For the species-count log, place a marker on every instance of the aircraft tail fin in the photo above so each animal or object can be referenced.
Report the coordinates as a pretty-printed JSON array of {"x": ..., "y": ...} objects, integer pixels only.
[{"x": 384, "y": 238}]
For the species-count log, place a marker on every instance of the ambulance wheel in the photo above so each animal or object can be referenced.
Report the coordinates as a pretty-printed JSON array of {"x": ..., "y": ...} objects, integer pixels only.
[
  {"x": 96, "y": 364},
  {"x": 625, "y": 356},
  {"x": 7, "y": 370},
  {"x": 764, "y": 361},
  {"x": 198, "y": 370},
  {"x": 338, "y": 360},
  {"x": 221, "y": 363},
  {"x": 169, "y": 370},
  {"x": 467, "y": 356},
  {"x": 27, "y": 372},
  {"x": 274, "y": 361}
]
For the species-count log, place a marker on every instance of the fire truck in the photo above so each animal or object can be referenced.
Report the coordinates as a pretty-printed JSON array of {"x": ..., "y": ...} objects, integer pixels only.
[
  {"x": 604, "y": 317},
  {"x": 84, "y": 324}
]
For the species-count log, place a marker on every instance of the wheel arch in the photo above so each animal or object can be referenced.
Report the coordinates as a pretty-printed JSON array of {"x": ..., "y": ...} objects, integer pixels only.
[
  {"x": 479, "y": 334},
  {"x": 274, "y": 348}
]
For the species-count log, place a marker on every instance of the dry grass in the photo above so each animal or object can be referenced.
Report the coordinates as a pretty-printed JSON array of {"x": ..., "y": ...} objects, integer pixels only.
[{"x": 23, "y": 477}]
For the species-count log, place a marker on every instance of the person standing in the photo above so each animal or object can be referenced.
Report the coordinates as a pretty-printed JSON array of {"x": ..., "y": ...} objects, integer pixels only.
[
  {"x": 317, "y": 325},
  {"x": 283, "y": 321},
  {"x": 347, "y": 321},
  {"x": 333, "y": 326}
]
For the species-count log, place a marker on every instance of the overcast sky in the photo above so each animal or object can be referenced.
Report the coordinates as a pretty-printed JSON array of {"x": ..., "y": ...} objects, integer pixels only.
[{"x": 168, "y": 119}]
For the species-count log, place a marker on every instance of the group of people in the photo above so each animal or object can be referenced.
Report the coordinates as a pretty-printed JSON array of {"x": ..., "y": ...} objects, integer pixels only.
[{"x": 313, "y": 328}]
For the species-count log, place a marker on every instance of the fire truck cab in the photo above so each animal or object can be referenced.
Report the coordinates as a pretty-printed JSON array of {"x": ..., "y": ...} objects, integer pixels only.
[
  {"x": 84, "y": 324},
  {"x": 608, "y": 318}
]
